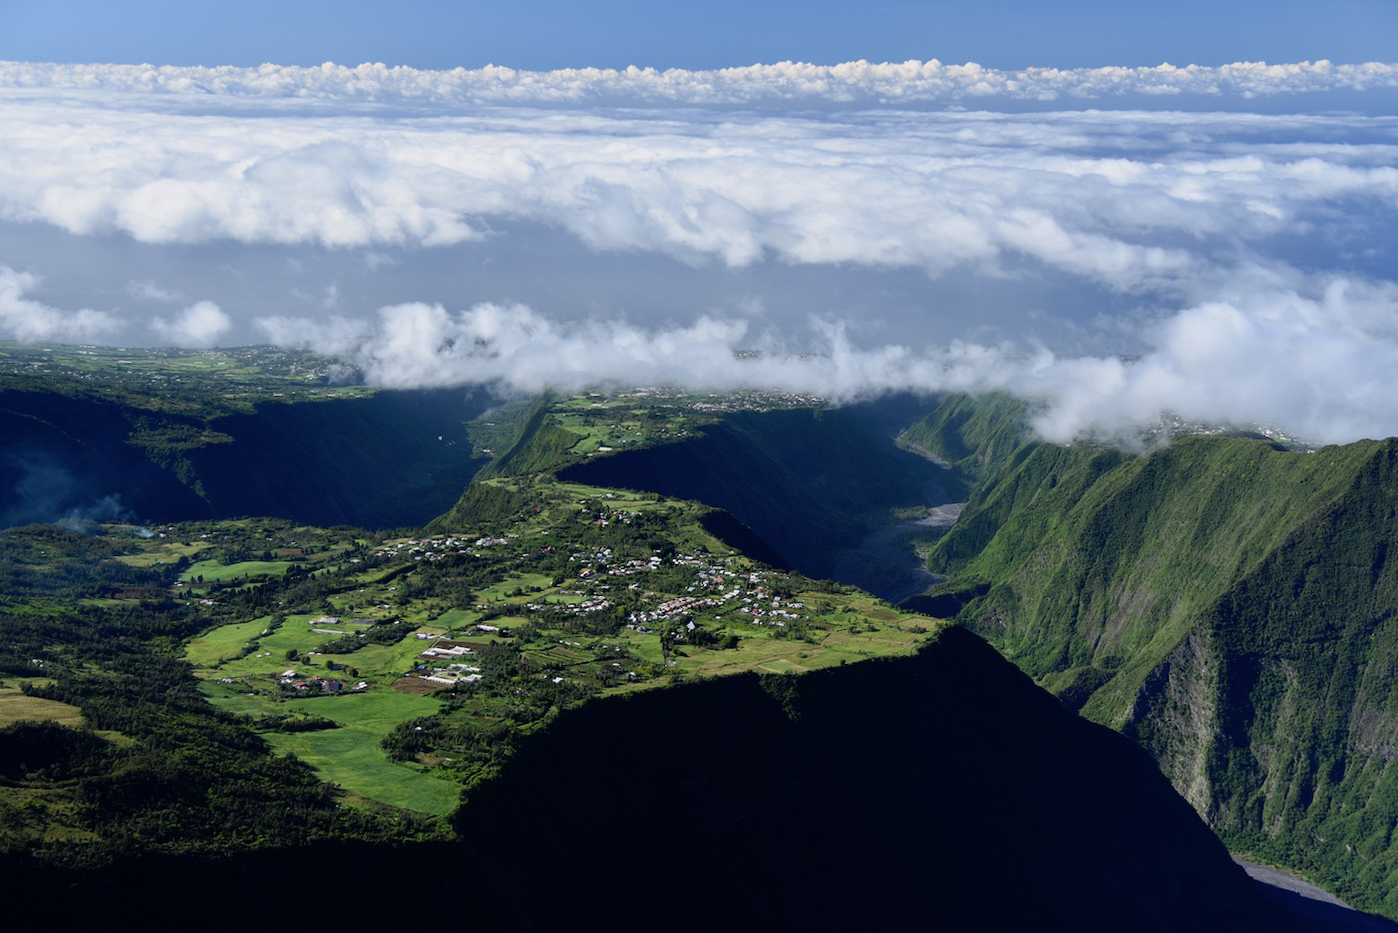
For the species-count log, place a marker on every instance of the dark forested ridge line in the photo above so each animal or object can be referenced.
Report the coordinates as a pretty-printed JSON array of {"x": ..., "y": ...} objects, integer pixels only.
[{"x": 386, "y": 459}]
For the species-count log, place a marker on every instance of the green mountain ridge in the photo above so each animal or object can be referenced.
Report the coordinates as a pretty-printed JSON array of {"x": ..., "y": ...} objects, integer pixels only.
[
  {"x": 721, "y": 696},
  {"x": 1227, "y": 604}
]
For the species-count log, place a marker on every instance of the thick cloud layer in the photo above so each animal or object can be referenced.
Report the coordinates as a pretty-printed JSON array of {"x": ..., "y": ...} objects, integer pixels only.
[
  {"x": 1239, "y": 262},
  {"x": 1108, "y": 196}
]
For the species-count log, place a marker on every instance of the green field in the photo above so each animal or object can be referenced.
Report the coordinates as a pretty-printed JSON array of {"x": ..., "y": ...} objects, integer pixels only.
[
  {"x": 168, "y": 553},
  {"x": 269, "y": 656},
  {"x": 225, "y": 642},
  {"x": 220, "y": 648},
  {"x": 16, "y": 707},
  {"x": 350, "y": 756},
  {"x": 758, "y": 651},
  {"x": 455, "y": 618},
  {"x": 530, "y": 583},
  {"x": 383, "y": 661},
  {"x": 626, "y": 499},
  {"x": 236, "y": 699},
  {"x": 352, "y": 759},
  {"x": 213, "y": 572},
  {"x": 374, "y": 711}
]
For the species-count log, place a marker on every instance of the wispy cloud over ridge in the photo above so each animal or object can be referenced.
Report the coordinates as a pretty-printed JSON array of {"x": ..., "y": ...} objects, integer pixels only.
[
  {"x": 1318, "y": 365},
  {"x": 785, "y": 83}
]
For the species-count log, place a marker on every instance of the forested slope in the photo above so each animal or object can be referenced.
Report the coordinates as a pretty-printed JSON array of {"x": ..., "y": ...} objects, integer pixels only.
[{"x": 1228, "y": 604}]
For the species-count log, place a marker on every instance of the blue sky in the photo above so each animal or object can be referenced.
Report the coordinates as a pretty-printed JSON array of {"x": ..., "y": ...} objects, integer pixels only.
[{"x": 549, "y": 34}]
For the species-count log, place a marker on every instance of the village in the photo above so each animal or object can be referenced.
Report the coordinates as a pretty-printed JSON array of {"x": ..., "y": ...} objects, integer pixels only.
[
  {"x": 432, "y": 649},
  {"x": 713, "y": 588}
]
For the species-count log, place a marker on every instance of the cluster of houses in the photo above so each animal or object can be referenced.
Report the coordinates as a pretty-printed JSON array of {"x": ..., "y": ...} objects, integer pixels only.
[
  {"x": 751, "y": 400},
  {"x": 453, "y": 672},
  {"x": 438, "y": 546},
  {"x": 680, "y": 605},
  {"x": 776, "y": 613},
  {"x": 588, "y": 605},
  {"x": 313, "y": 684},
  {"x": 717, "y": 584},
  {"x": 434, "y": 548},
  {"x": 605, "y": 517},
  {"x": 757, "y": 401}
]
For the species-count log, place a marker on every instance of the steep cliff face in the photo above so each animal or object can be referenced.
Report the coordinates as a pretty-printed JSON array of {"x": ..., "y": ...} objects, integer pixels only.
[
  {"x": 392, "y": 459},
  {"x": 1227, "y": 604},
  {"x": 389, "y": 459},
  {"x": 1175, "y": 716},
  {"x": 809, "y": 483},
  {"x": 62, "y": 456},
  {"x": 943, "y": 790}
]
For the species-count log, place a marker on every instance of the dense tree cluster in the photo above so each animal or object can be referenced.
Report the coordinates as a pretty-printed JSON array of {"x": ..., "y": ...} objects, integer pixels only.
[{"x": 182, "y": 775}]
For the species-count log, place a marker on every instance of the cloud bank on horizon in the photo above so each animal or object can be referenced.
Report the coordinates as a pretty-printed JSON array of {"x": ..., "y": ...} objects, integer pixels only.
[
  {"x": 859, "y": 83},
  {"x": 1139, "y": 241}
]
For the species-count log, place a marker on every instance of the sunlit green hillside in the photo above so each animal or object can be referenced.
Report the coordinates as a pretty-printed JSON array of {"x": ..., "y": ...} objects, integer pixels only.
[{"x": 1227, "y": 602}]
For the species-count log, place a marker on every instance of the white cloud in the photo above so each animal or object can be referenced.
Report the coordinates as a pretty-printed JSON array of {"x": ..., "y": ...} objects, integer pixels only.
[
  {"x": 26, "y": 320},
  {"x": 335, "y": 336},
  {"x": 785, "y": 84},
  {"x": 149, "y": 291},
  {"x": 1129, "y": 200},
  {"x": 197, "y": 326},
  {"x": 1318, "y": 366}
]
